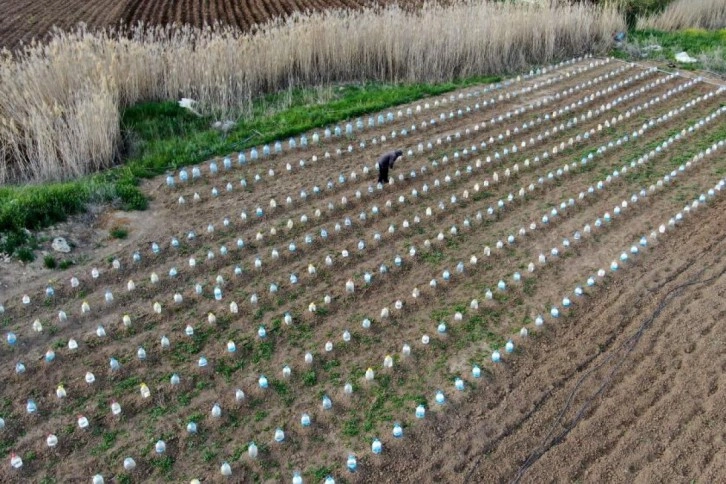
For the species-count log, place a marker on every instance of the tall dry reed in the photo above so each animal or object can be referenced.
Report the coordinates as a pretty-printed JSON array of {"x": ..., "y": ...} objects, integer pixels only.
[
  {"x": 60, "y": 101},
  {"x": 683, "y": 14}
]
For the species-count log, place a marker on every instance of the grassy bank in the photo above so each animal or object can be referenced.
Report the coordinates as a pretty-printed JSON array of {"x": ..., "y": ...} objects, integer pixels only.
[
  {"x": 708, "y": 46},
  {"x": 163, "y": 136}
]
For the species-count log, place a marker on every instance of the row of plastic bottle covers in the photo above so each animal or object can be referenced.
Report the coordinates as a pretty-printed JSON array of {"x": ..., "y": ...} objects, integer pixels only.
[
  {"x": 497, "y": 156},
  {"x": 278, "y": 148},
  {"x": 390, "y": 116},
  {"x": 501, "y": 285},
  {"x": 460, "y": 268},
  {"x": 196, "y": 172},
  {"x": 515, "y": 147},
  {"x": 511, "y": 238},
  {"x": 702, "y": 199},
  {"x": 624, "y": 256},
  {"x": 550, "y": 175},
  {"x": 376, "y": 447},
  {"x": 156, "y": 249},
  {"x": 440, "y": 398},
  {"x": 598, "y": 223},
  {"x": 448, "y": 139},
  {"x": 651, "y": 123},
  {"x": 420, "y": 411},
  {"x": 259, "y": 212},
  {"x": 635, "y": 134},
  {"x": 545, "y": 219}
]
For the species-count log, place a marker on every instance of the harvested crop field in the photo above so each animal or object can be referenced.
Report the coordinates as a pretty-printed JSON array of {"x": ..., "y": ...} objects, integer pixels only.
[
  {"x": 536, "y": 297},
  {"x": 24, "y": 20}
]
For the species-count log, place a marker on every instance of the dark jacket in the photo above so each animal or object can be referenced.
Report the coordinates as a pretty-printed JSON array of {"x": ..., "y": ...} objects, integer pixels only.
[{"x": 388, "y": 159}]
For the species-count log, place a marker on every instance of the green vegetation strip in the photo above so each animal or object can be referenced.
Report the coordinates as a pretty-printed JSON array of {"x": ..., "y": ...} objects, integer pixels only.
[
  {"x": 161, "y": 136},
  {"x": 693, "y": 41},
  {"x": 709, "y": 46}
]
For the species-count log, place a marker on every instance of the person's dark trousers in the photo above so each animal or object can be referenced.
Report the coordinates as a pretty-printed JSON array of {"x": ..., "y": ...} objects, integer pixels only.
[{"x": 382, "y": 174}]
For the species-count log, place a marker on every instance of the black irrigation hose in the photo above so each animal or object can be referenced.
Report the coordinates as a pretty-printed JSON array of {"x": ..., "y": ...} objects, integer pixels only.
[{"x": 552, "y": 439}]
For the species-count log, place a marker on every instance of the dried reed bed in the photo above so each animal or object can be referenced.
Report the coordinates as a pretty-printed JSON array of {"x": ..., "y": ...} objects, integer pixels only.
[
  {"x": 61, "y": 101},
  {"x": 683, "y": 14}
]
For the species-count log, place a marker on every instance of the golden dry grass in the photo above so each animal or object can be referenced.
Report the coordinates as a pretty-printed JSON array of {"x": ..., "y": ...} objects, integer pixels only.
[
  {"x": 682, "y": 14},
  {"x": 61, "y": 101}
]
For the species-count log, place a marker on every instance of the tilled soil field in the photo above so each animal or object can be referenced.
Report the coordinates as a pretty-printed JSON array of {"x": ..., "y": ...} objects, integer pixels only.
[
  {"x": 535, "y": 297},
  {"x": 627, "y": 391},
  {"x": 23, "y": 20}
]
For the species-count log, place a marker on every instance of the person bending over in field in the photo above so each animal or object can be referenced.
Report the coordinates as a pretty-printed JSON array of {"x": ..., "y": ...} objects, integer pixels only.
[{"x": 385, "y": 162}]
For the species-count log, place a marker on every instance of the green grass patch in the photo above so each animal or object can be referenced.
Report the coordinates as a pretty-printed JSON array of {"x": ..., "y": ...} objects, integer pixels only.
[
  {"x": 49, "y": 262},
  {"x": 434, "y": 257},
  {"x": 128, "y": 385},
  {"x": 478, "y": 328},
  {"x": 310, "y": 378},
  {"x": 107, "y": 441},
  {"x": 693, "y": 41},
  {"x": 263, "y": 351},
  {"x": 159, "y": 411},
  {"x": 163, "y": 464},
  {"x": 185, "y": 349},
  {"x": 25, "y": 254},
  {"x": 208, "y": 455},
  {"x": 227, "y": 368},
  {"x": 119, "y": 233},
  {"x": 299, "y": 333},
  {"x": 684, "y": 152},
  {"x": 352, "y": 427},
  {"x": 161, "y": 136},
  {"x": 377, "y": 411},
  {"x": 529, "y": 286},
  {"x": 709, "y": 46},
  {"x": 320, "y": 473},
  {"x": 283, "y": 390}
]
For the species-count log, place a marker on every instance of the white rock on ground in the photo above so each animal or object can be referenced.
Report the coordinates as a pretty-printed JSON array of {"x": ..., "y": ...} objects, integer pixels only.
[
  {"x": 685, "y": 58},
  {"x": 61, "y": 245}
]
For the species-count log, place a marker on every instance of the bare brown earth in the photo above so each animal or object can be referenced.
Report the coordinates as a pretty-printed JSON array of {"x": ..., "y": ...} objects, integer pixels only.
[
  {"x": 630, "y": 388},
  {"x": 24, "y": 20},
  {"x": 625, "y": 386}
]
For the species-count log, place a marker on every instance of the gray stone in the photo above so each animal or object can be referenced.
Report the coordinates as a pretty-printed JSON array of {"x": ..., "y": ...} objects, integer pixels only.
[
  {"x": 224, "y": 126},
  {"x": 60, "y": 245}
]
